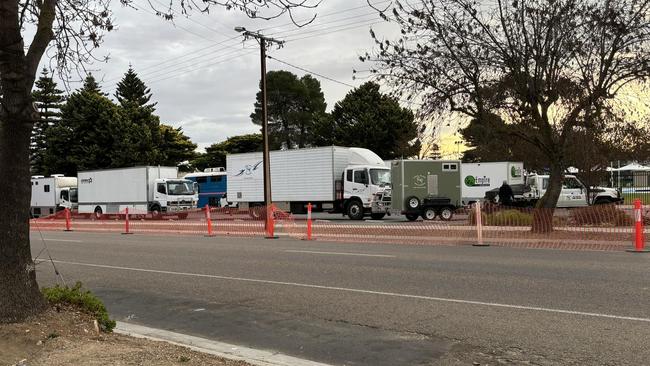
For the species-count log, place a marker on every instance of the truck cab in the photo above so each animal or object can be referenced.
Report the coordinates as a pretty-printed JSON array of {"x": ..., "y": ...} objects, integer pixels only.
[
  {"x": 173, "y": 195},
  {"x": 366, "y": 190}
]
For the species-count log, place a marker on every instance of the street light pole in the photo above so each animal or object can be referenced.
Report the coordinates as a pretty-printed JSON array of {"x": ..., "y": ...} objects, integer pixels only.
[{"x": 266, "y": 159}]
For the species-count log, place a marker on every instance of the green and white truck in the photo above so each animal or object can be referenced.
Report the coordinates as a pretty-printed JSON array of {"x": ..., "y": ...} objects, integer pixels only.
[{"x": 426, "y": 188}]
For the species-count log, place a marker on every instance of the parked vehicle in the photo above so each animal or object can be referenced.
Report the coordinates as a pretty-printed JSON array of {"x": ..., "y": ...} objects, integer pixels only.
[
  {"x": 479, "y": 178},
  {"x": 145, "y": 189},
  {"x": 52, "y": 194},
  {"x": 426, "y": 188},
  {"x": 211, "y": 186},
  {"x": 574, "y": 193},
  {"x": 347, "y": 180}
]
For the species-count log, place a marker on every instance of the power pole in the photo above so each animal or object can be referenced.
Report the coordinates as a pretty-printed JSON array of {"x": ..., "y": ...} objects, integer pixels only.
[{"x": 266, "y": 160}]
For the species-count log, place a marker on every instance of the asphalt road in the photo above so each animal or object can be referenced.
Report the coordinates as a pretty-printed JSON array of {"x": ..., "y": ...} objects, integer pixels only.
[{"x": 371, "y": 304}]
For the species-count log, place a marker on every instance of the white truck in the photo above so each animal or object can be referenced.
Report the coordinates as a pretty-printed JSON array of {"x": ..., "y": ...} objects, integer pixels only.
[
  {"x": 479, "y": 178},
  {"x": 347, "y": 180},
  {"x": 145, "y": 189},
  {"x": 574, "y": 193},
  {"x": 52, "y": 194}
]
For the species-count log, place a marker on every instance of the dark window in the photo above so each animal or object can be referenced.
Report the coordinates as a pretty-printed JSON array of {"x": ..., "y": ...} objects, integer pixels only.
[
  {"x": 360, "y": 176},
  {"x": 349, "y": 177},
  {"x": 449, "y": 167},
  {"x": 201, "y": 179},
  {"x": 213, "y": 201},
  {"x": 37, "y": 211},
  {"x": 445, "y": 167},
  {"x": 46, "y": 188},
  {"x": 162, "y": 189},
  {"x": 65, "y": 196},
  {"x": 215, "y": 179}
]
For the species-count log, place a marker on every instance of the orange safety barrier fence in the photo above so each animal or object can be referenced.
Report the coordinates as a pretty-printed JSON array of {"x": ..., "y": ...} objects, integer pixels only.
[{"x": 600, "y": 227}]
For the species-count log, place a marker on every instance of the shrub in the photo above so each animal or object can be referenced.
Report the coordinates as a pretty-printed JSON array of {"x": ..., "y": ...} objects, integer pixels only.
[
  {"x": 509, "y": 218},
  {"x": 601, "y": 215},
  {"x": 83, "y": 299}
]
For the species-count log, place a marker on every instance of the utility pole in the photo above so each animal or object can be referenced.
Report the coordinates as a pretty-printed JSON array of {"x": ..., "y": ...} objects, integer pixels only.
[{"x": 266, "y": 161}]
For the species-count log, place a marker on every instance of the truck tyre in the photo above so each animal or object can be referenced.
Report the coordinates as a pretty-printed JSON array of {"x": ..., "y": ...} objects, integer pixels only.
[
  {"x": 411, "y": 216},
  {"x": 413, "y": 202},
  {"x": 602, "y": 201},
  {"x": 377, "y": 216},
  {"x": 155, "y": 212},
  {"x": 429, "y": 214},
  {"x": 98, "y": 213},
  {"x": 446, "y": 213},
  {"x": 355, "y": 210}
]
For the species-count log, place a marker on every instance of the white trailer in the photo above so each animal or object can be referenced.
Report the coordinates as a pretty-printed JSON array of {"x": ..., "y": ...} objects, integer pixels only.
[
  {"x": 145, "y": 189},
  {"x": 352, "y": 181},
  {"x": 52, "y": 194},
  {"x": 479, "y": 178}
]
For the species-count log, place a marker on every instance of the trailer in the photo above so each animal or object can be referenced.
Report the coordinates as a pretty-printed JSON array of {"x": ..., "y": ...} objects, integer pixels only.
[
  {"x": 52, "y": 194},
  {"x": 347, "y": 180},
  {"x": 143, "y": 190},
  {"x": 426, "y": 188},
  {"x": 479, "y": 178},
  {"x": 211, "y": 186}
]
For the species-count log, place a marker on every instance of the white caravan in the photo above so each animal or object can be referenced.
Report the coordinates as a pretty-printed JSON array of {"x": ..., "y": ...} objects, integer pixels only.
[
  {"x": 52, "y": 194},
  {"x": 479, "y": 178},
  {"x": 348, "y": 180},
  {"x": 145, "y": 189}
]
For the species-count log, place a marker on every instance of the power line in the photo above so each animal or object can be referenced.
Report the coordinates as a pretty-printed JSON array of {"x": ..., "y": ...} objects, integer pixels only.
[{"x": 310, "y": 72}]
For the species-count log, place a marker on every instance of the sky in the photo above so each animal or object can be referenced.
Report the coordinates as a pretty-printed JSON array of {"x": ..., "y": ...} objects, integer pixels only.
[{"x": 204, "y": 77}]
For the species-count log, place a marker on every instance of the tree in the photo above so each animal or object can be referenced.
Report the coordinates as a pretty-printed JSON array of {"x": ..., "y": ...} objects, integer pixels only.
[
  {"x": 548, "y": 68},
  {"x": 48, "y": 100},
  {"x": 215, "y": 154},
  {"x": 175, "y": 146},
  {"x": 292, "y": 106},
  {"x": 367, "y": 118},
  {"x": 91, "y": 85},
  {"x": 75, "y": 29},
  {"x": 132, "y": 90}
]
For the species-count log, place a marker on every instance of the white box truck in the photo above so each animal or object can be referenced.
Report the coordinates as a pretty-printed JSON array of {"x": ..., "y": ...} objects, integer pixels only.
[
  {"x": 347, "y": 180},
  {"x": 479, "y": 178},
  {"x": 52, "y": 194},
  {"x": 144, "y": 189}
]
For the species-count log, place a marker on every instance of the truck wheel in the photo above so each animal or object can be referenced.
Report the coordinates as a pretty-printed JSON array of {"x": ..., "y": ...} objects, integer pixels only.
[
  {"x": 411, "y": 216},
  {"x": 355, "y": 210},
  {"x": 602, "y": 201},
  {"x": 446, "y": 213},
  {"x": 429, "y": 214},
  {"x": 413, "y": 202},
  {"x": 155, "y": 212},
  {"x": 377, "y": 216},
  {"x": 98, "y": 213}
]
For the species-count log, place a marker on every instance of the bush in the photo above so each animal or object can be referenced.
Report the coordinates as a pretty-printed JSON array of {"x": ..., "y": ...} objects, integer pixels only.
[
  {"x": 509, "y": 218},
  {"x": 83, "y": 299},
  {"x": 601, "y": 215}
]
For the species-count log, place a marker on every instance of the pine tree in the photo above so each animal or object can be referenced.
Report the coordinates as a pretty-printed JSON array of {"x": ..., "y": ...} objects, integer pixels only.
[
  {"x": 132, "y": 90},
  {"x": 133, "y": 96},
  {"x": 48, "y": 100},
  {"x": 91, "y": 85}
]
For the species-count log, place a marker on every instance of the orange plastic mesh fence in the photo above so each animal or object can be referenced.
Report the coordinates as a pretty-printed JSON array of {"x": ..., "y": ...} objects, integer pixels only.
[{"x": 601, "y": 227}]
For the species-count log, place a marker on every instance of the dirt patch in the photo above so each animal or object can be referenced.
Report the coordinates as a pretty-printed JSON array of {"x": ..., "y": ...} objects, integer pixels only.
[{"x": 69, "y": 337}]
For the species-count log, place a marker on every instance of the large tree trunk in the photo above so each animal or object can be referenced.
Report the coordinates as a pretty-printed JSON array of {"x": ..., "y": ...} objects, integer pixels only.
[
  {"x": 19, "y": 293},
  {"x": 543, "y": 213}
]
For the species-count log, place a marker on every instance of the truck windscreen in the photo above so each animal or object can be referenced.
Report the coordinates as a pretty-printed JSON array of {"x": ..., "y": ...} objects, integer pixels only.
[
  {"x": 180, "y": 188},
  {"x": 74, "y": 196},
  {"x": 380, "y": 177}
]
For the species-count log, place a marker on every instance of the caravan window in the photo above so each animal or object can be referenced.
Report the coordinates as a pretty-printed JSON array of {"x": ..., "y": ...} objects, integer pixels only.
[
  {"x": 201, "y": 179},
  {"x": 451, "y": 167},
  {"x": 46, "y": 188},
  {"x": 215, "y": 179}
]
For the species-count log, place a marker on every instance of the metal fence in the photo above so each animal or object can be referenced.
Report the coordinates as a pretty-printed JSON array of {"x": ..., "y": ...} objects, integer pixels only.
[{"x": 633, "y": 185}]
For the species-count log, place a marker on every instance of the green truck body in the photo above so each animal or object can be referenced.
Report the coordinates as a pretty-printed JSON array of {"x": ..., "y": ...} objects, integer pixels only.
[{"x": 437, "y": 182}]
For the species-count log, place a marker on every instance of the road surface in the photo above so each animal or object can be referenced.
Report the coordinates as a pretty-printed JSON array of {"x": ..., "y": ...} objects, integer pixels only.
[{"x": 370, "y": 304}]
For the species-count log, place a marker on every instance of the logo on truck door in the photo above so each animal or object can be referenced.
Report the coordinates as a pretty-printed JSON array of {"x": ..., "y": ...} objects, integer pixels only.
[{"x": 248, "y": 169}]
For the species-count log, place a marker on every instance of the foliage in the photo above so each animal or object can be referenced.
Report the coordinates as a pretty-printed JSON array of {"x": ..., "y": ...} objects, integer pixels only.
[
  {"x": 548, "y": 69},
  {"x": 131, "y": 90},
  {"x": 367, "y": 118},
  {"x": 84, "y": 299},
  {"x": 601, "y": 215},
  {"x": 175, "y": 147},
  {"x": 215, "y": 154},
  {"x": 48, "y": 100},
  {"x": 292, "y": 106}
]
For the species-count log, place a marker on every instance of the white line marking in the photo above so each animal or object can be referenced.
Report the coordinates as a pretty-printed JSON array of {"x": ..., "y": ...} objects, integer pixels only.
[
  {"x": 341, "y": 253},
  {"x": 369, "y": 292},
  {"x": 66, "y": 240}
]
